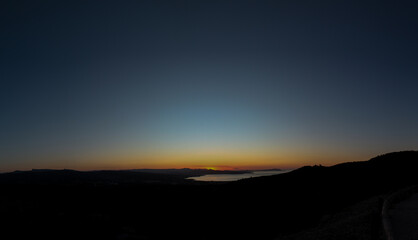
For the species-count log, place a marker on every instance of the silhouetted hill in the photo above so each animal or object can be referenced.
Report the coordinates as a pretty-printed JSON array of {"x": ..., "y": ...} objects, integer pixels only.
[
  {"x": 318, "y": 191},
  {"x": 258, "y": 208},
  {"x": 137, "y": 176},
  {"x": 390, "y": 171},
  {"x": 71, "y": 177}
]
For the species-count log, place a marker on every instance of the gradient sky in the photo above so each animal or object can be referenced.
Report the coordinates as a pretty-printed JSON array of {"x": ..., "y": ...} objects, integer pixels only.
[{"x": 227, "y": 84}]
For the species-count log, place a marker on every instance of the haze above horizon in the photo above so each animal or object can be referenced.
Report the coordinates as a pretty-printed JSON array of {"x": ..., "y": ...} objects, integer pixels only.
[{"x": 205, "y": 84}]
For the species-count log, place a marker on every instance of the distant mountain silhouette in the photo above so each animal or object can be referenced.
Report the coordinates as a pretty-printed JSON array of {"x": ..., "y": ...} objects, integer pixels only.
[
  {"x": 71, "y": 177},
  {"x": 68, "y": 204},
  {"x": 136, "y": 176}
]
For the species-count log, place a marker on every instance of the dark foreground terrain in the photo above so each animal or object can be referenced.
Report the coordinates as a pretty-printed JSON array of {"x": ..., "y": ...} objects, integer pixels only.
[{"x": 309, "y": 203}]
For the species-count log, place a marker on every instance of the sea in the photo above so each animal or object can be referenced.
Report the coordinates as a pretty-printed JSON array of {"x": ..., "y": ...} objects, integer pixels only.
[{"x": 235, "y": 177}]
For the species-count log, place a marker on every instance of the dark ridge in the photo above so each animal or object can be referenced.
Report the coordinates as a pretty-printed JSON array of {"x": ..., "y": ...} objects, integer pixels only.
[
  {"x": 71, "y": 177},
  {"x": 130, "y": 205},
  {"x": 312, "y": 192},
  {"x": 136, "y": 176}
]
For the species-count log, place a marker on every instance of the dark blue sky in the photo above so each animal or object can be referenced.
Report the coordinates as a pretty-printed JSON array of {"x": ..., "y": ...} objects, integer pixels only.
[{"x": 127, "y": 84}]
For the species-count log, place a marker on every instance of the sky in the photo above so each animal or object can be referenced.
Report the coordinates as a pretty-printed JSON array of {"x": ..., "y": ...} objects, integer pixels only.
[{"x": 224, "y": 84}]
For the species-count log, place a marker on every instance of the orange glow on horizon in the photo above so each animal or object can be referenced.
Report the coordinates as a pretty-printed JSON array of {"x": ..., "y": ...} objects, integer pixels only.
[{"x": 248, "y": 159}]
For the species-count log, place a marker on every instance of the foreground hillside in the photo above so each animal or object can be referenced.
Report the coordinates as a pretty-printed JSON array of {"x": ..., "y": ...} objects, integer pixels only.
[
  {"x": 311, "y": 195},
  {"x": 258, "y": 208}
]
